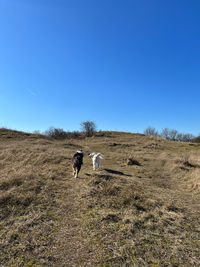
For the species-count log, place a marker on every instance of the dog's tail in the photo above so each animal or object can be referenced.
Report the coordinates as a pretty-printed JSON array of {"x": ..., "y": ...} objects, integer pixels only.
[{"x": 101, "y": 156}]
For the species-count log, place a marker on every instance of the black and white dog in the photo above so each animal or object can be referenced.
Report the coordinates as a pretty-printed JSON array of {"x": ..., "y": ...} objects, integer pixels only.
[{"x": 77, "y": 161}]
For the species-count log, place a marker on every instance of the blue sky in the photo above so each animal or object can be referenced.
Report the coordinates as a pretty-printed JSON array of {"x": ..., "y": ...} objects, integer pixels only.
[{"x": 124, "y": 64}]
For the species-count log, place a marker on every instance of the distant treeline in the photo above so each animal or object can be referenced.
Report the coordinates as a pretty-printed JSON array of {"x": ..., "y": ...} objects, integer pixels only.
[
  {"x": 58, "y": 133},
  {"x": 172, "y": 134},
  {"x": 89, "y": 128}
]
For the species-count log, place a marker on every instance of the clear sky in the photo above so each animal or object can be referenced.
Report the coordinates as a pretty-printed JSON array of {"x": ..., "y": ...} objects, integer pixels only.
[{"x": 125, "y": 64}]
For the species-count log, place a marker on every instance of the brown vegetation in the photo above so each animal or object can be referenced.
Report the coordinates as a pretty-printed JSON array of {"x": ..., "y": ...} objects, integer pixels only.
[{"x": 144, "y": 214}]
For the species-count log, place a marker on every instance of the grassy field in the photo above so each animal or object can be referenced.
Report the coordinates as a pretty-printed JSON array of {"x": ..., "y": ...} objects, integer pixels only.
[{"x": 141, "y": 208}]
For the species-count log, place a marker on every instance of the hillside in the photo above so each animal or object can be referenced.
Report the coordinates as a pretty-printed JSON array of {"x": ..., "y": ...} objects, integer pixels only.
[{"x": 144, "y": 214}]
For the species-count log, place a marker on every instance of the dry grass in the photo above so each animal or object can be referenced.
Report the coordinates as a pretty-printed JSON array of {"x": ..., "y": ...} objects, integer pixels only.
[
  {"x": 189, "y": 163},
  {"x": 194, "y": 181},
  {"x": 144, "y": 214}
]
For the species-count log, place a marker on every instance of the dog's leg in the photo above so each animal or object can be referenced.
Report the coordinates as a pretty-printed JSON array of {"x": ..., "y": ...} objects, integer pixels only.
[
  {"x": 98, "y": 163},
  {"x": 73, "y": 171},
  {"x": 94, "y": 164},
  {"x": 78, "y": 170},
  {"x": 76, "y": 173}
]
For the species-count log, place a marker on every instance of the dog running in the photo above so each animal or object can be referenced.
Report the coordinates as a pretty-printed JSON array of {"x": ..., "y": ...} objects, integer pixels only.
[
  {"x": 77, "y": 161},
  {"x": 96, "y": 159}
]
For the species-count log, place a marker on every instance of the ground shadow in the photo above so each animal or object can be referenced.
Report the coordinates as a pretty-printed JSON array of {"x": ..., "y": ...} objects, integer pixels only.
[
  {"x": 116, "y": 172},
  {"x": 102, "y": 176}
]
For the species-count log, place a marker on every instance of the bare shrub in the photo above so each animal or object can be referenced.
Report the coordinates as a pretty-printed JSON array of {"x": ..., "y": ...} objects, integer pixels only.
[
  {"x": 170, "y": 134},
  {"x": 180, "y": 136},
  {"x": 55, "y": 133},
  {"x": 58, "y": 133},
  {"x": 73, "y": 135},
  {"x": 187, "y": 137},
  {"x": 197, "y": 139},
  {"x": 88, "y": 127},
  {"x": 132, "y": 160},
  {"x": 174, "y": 135},
  {"x": 150, "y": 131}
]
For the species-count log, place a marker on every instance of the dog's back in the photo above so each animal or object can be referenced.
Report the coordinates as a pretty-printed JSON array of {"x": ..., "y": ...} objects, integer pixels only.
[
  {"x": 99, "y": 155},
  {"x": 77, "y": 161}
]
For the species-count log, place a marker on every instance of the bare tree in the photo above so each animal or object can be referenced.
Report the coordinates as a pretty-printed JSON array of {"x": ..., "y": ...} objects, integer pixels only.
[
  {"x": 165, "y": 133},
  {"x": 173, "y": 134},
  {"x": 180, "y": 137},
  {"x": 88, "y": 127},
  {"x": 55, "y": 133},
  {"x": 150, "y": 131},
  {"x": 58, "y": 133},
  {"x": 188, "y": 137},
  {"x": 197, "y": 139}
]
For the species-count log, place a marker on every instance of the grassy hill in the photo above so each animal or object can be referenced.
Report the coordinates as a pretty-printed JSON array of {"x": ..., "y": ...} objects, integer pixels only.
[{"x": 140, "y": 209}]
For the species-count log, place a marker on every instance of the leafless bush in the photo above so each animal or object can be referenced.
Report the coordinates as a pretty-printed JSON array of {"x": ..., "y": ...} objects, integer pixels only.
[
  {"x": 174, "y": 135},
  {"x": 165, "y": 133},
  {"x": 132, "y": 160},
  {"x": 74, "y": 134},
  {"x": 171, "y": 134},
  {"x": 197, "y": 139},
  {"x": 188, "y": 137},
  {"x": 150, "y": 131},
  {"x": 88, "y": 127},
  {"x": 58, "y": 133},
  {"x": 185, "y": 137}
]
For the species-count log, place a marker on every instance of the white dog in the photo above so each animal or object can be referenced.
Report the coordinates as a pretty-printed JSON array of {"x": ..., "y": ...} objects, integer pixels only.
[{"x": 96, "y": 159}]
